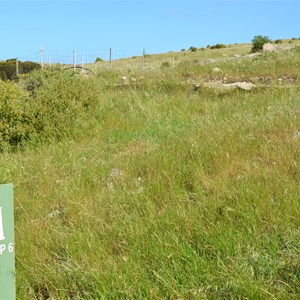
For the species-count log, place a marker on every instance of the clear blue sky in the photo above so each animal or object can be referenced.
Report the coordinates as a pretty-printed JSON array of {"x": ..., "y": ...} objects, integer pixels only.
[{"x": 158, "y": 26}]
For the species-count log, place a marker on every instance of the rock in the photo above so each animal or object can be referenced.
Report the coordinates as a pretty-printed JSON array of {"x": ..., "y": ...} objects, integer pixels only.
[
  {"x": 252, "y": 55},
  {"x": 217, "y": 70},
  {"x": 117, "y": 173},
  {"x": 268, "y": 47},
  {"x": 56, "y": 214},
  {"x": 139, "y": 186},
  {"x": 247, "y": 86},
  {"x": 116, "y": 177},
  {"x": 210, "y": 61},
  {"x": 125, "y": 80},
  {"x": 196, "y": 87},
  {"x": 296, "y": 134}
]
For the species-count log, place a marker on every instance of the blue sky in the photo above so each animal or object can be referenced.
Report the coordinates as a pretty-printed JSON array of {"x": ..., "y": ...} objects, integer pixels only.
[{"x": 158, "y": 26}]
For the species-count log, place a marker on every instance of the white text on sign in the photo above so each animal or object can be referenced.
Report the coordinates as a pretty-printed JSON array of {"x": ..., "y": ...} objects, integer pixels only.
[{"x": 9, "y": 247}]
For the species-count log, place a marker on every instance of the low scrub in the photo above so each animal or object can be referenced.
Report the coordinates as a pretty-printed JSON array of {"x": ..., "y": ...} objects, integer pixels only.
[
  {"x": 44, "y": 106},
  {"x": 218, "y": 46},
  {"x": 16, "y": 127},
  {"x": 8, "y": 69}
]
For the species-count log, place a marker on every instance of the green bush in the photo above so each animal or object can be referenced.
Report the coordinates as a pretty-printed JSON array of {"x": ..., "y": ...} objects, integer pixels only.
[
  {"x": 279, "y": 41},
  {"x": 15, "y": 124},
  {"x": 98, "y": 59},
  {"x": 193, "y": 49},
  {"x": 258, "y": 43},
  {"x": 28, "y": 66},
  {"x": 8, "y": 68},
  {"x": 44, "y": 106},
  {"x": 3, "y": 75},
  {"x": 218, "y": 46},
  {"x": 59, "y": 100}
]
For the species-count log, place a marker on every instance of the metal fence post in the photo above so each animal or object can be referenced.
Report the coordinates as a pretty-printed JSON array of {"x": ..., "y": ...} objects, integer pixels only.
[
  {"x": 42, "y": 56},
  {"x": 143, "y": 62},
  {"x": 110, "y": 58},
  {"x": 74, "y": 60}
]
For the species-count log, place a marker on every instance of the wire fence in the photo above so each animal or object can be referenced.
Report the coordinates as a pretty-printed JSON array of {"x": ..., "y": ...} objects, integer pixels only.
[
  {"x": 107, "y": 59},
  {"x": 96, "y": 60},
  {"x": 82, "y": 58}
]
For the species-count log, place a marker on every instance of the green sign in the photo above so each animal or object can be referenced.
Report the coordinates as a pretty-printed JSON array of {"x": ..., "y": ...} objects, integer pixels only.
[{"x": 7, "y": 253}]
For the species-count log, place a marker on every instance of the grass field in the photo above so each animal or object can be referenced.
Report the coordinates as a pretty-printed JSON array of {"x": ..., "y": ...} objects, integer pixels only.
[{"x": 152, "y": 189}]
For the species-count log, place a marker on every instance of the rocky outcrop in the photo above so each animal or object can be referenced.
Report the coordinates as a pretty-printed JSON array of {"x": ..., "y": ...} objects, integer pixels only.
[
  {"x": 246, "y": 86},
  {"x": 269, "y": 47}
]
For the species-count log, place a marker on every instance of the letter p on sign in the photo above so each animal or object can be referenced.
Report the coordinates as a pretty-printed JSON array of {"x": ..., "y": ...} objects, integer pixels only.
[{"x": 7, "y": 253}]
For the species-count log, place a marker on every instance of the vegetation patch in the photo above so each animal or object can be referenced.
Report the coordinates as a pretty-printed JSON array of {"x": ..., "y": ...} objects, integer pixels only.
[{"x": 156, "y": 190}]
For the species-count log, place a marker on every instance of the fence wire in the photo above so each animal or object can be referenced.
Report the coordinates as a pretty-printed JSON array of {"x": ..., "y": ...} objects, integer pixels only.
[
  {"x": 85, "y": 56},
  {"x": 107, "y": 59}
]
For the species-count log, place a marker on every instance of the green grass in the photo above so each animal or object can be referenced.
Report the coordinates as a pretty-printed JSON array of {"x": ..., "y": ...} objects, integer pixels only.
[{"x": 156, "y": 191}]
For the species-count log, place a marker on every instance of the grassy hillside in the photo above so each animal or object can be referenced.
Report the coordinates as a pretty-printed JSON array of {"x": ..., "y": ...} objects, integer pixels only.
[{"x": 152, "y": 189}]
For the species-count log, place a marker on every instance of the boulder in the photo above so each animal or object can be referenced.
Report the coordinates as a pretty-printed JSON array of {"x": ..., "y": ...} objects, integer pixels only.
[
  {"x": 125, "y": 80},
  {"x": 268, "y": 47},
  {"x": 216, "y": 70},
  {"x": 246, "y": 86}
]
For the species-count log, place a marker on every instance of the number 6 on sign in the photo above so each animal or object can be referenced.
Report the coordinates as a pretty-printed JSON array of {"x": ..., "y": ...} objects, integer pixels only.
[{"x": 1, "y": 226}]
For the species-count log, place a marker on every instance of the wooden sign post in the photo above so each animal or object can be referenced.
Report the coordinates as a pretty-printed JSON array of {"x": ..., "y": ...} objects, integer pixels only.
[{"x": 7, "y": 253}]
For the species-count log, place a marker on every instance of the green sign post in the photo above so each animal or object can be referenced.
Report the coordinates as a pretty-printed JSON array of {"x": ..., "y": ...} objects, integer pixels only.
[{"x": 7, "y": 253}]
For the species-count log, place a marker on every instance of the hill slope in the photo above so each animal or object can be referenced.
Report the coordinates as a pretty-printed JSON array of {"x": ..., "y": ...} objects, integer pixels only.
[{"x": 152, "y": 189}]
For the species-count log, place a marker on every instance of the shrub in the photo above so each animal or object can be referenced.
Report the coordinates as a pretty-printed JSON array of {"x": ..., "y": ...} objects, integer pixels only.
[
  {"x": 182, "y": 50},
  {"x": 279, "y": 41},
  {"x": 28, "y": 66},
  {"x": 11, "y": 61},
  {"x": 44, "y": 106},
  {"x": 15, "y": 125},
  {"x": 3, "y": 76},
  {"x": 218, "y": 46},
  {"x": 8, "y": 68},
  {"x": 258, "y": 42},
  {"x": 98, "y": 59},
  {"x": 59, "y": 103},
  {"x": 193, "y": 49}
]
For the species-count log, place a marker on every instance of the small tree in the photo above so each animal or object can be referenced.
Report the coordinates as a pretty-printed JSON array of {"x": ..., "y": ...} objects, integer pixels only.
[{"x": 258, "y": 42}]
